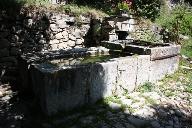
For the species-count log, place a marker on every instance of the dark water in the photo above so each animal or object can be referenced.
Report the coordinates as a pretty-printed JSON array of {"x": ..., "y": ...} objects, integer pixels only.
[{"x": 75, "y": 61}]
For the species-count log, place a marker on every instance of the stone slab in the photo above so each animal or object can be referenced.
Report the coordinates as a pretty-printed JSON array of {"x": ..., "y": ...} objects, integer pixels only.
[
  {"x": 154, "y": 52},
  {"x": 61, "y": 90},
  {"x": 102, "y": 80},
  {"x": 161, "y": 68},
  {"x": 127, "y": 72},
  {"x": 143, "y": 69}
]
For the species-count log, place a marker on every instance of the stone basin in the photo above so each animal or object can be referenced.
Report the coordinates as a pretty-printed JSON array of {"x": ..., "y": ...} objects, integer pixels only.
[{"x": 69, "y": 82}]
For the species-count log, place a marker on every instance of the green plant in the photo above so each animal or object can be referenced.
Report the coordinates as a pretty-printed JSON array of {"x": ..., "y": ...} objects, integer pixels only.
[
  {"x": 123, "y": 6},
  {"x": 147, "y": 87},
  {"x": 147, "y": 8},
  {"x": 177, "y": 21}
]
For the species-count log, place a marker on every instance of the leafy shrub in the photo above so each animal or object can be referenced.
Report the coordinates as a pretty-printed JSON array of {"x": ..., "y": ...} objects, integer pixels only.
[
  {"x": 147, "y": 8},
  {"x": 105, "y": 5},
  {"x": 179, "y": 19}
]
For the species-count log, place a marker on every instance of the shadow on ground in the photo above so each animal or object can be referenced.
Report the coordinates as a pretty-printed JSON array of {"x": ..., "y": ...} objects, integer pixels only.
[{"x": 21, "y": 112}]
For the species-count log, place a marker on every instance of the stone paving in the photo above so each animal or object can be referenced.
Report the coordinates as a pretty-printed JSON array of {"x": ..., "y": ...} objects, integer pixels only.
[{"x": 150, "y": 106}]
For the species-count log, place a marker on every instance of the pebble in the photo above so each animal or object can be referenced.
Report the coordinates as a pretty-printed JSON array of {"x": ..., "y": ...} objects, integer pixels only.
[{"x": 114, "y": 106}]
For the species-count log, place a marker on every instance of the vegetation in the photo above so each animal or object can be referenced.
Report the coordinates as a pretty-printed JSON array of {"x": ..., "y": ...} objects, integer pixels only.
[{"x": 177, "y": 20}]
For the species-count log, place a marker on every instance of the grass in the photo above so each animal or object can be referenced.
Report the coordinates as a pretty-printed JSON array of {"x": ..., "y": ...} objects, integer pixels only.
[
  {"x": 74, "y": 9},
  {"x": 81, "y": 10},
  {"x": 147, "y": 87},
  {"x": 187, "y": 48}
]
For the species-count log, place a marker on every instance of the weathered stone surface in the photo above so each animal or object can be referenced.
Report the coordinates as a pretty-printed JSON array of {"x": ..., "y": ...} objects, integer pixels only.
[
  {"x": 55, "y": 41},
  {"x": 63, "y": 90},
  {"x": 143, "y": 69},
  {"x": 162, "y": 52},
  {"x": 156, "y": 53},
  {"x": 59, "y": 36},
  {"x": 79, "y": 41},
  {"x": 102, "y": 80},
  {"x": 159, "y": 68},
  {"x": 127, "y": 72}
]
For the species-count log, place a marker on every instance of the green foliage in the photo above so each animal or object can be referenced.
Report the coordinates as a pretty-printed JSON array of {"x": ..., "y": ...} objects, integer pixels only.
[
  {"x": 123, "y": 6},
  {"x": 177, "y": 20},
  {"x": 147, "y": 8},
  {"x": 147, "y": 87},
  {"x": 105, "y": 5},
  {"x": 187, "y": 48}
]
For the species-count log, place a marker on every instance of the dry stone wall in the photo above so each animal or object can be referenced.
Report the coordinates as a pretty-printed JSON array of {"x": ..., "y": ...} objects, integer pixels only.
[{"x": 32, "y": 31}]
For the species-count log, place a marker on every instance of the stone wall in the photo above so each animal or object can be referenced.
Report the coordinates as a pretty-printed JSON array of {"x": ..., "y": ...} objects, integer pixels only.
[{"x": 32, "y": 31}]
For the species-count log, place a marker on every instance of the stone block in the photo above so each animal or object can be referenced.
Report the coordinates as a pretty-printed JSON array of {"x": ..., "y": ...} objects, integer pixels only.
[
  {"x": 113, "y": 37},
  {"x": 61, "y": 90},
  {"x": 156, "y": 53},
  {"x": 161, "y": 68},
  {"x": 59, "y": 36},
  {"x": 72, "y": 37},
  {"x": 79, "y": 41},
  {"x": 71, "y": 43},
  {"x": 143, "y": 69},
  {"x": 127, "y": 72},
  {"x": 62, "y": 24},
  {"x": 55, "y": 41},
  {"x": 102, "y": 80},
  {"x": 163, "y": 52}
]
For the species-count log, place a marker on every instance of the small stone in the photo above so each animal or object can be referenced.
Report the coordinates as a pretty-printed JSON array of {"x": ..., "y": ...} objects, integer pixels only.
[
  {"x": 54, "y": 41},
  {"x": 59, "y": 36},
  {"x": 54, "y": 27},
  {"x": 62, "y": 24},
  {"x": 65, "y": 34},
  {"x": 72, "y": 37},
  {"x": 114, "y": 106},
  {"x": 79, "y": 41},
  {"x": 127, "y": 101},
  {"x": 71, "y": 43}
]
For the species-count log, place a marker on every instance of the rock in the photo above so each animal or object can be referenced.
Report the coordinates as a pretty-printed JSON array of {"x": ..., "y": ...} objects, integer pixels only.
[
  {"x": 77, "y": 33},
  {"x": 127, "y": 101},
  {"x": 184, "y": 57},
  {"x": 79, "y": 41},
  {"x": 65, "y": 34},
  {"x": 54, "y": 27},
  {"x": 114, "y": 106},
  {"x": 55, "y": 41},
  {"x": 59, "y": 36},
  {"x": 72, "y": 37},
  {"x": 62, "y": 24},
  {"x": 143, "y": 112},
  {"x": 71, "y": 43}
]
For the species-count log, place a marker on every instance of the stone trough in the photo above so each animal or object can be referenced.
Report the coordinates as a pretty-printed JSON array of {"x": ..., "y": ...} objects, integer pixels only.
[{"x": 88, "y": 75}]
